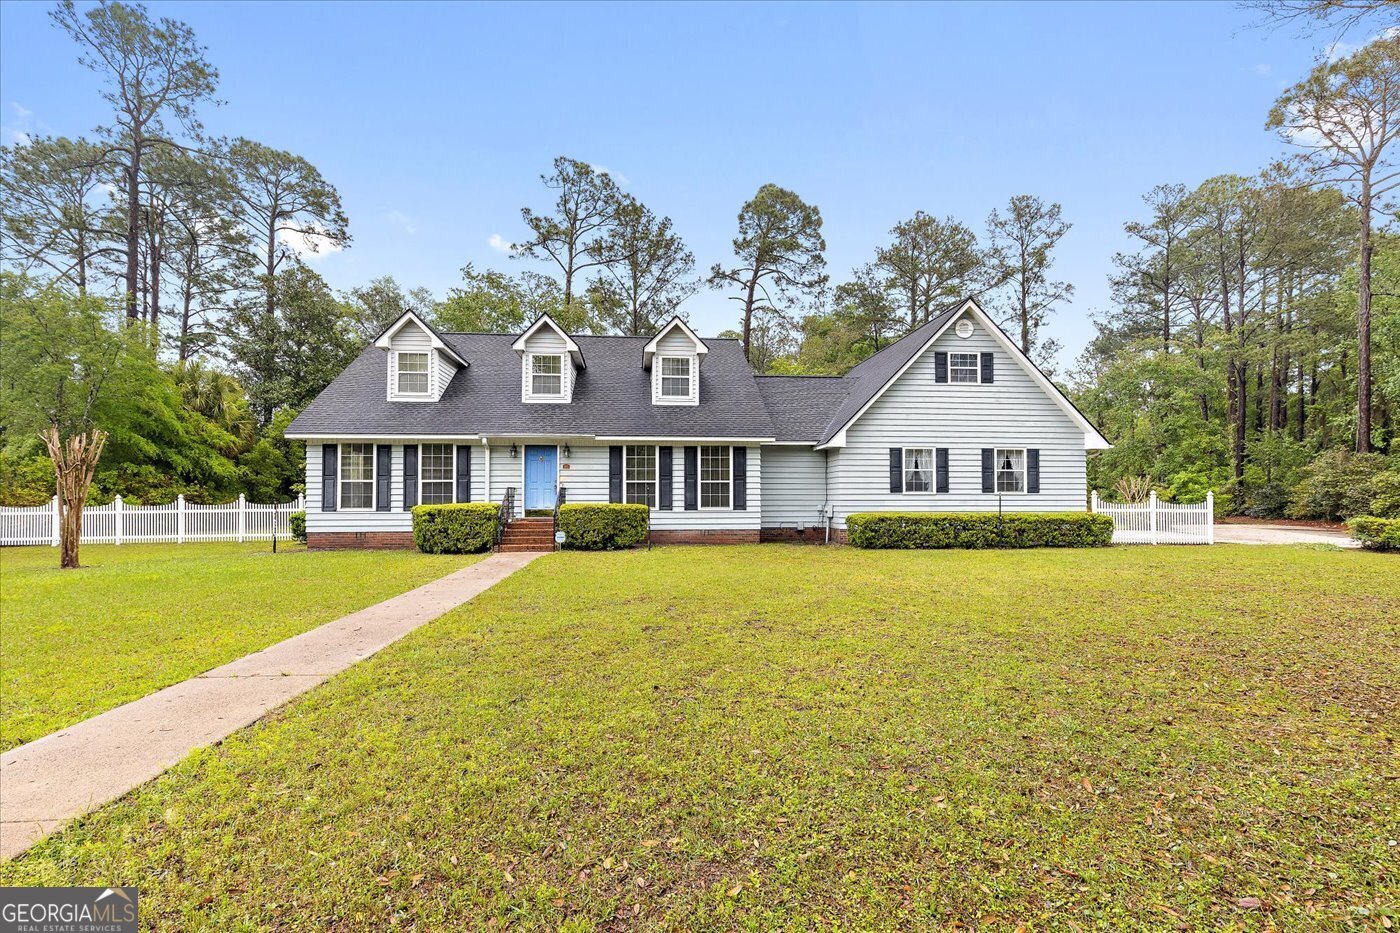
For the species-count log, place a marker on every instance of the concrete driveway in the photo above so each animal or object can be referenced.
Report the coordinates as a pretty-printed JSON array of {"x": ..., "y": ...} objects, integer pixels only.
[{"x": 1280, "y": 534}]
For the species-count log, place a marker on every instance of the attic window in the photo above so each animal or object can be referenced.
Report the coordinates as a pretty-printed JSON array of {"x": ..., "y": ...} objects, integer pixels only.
[
  {"x": 546, "y": 375},
  {"x": 964, "y": 367},
  {"x": 413, "y": 373},
  {"x": 675, "y": 377}
]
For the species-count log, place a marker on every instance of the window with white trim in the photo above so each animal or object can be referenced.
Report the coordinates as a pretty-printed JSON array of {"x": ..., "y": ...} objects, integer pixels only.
[
  {"x": 437, "y": 475},
  {"x": 675, "y": 376},
  {"x": 357, "y": 476},
  {"x": 1010, "y": 470},
  {"x": 546, "y": 375},
  {"x": 716, "y": 478},
  {"x": 918, "y": 469},
  {"x": 639, "y": 475},
  {"x": 964, "y": 367},
  {"x": 412, "y": 368}
]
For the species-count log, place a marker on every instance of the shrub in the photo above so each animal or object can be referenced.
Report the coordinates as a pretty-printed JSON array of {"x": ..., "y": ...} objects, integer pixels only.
[
  {"x": 978, "y": 530},
  {"x": 458, "y": 528},
  {"x": 1336, "y": 485},
  {"x": 1378, "y": 534},
  {"x": 297, "y": 522},
  {"x": 604, "y": 526},
  {"x": 1268, "y": 500},
  {"x": 1385, "y": 491}
]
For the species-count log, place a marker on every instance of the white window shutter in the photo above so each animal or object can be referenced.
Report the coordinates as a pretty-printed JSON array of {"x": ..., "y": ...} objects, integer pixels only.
[{"x": 393, "y": 373}]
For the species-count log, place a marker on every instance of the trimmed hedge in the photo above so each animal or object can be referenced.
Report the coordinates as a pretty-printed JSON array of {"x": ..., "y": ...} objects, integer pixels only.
[
  {"x": 603, "y": 526},
  {"x": 297, "y": 522},
  {"x": 911, "y": 530},
  {"x": 1377, "y": 534},
  {"x": 458, "y": 528}
]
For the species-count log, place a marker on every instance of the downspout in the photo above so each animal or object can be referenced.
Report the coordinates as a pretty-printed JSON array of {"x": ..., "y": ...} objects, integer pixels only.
[
  {"x": 826, "y": 494},
  {"x": 486, "y": 446}
]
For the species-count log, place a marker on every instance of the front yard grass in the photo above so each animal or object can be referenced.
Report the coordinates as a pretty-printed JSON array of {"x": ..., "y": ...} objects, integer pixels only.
[
  {"x": 139, "y": 617},
  {"x": 787, "y": 737}
]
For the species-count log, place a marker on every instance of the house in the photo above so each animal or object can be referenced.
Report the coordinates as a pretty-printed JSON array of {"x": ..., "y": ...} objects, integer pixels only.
[{"x": 952, "y": 417}]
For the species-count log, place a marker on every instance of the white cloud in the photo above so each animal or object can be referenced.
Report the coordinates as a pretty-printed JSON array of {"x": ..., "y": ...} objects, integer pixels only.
[
  {"x": 19, "y": 129},
  {"x": 309, "y": 243},
  {"x": 618, "y": 177},
  {"x": 1337, "y": 49},
  {"x": 1264, "y": 70},
  {"x": 402, "y": 221},
  {"x": 499, "y": 243}
]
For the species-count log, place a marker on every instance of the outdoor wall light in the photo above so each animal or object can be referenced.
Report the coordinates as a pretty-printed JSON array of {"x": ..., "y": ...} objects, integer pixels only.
[
  {"x": 514, "y": 451},
  {"x": 566, "y": 451}
]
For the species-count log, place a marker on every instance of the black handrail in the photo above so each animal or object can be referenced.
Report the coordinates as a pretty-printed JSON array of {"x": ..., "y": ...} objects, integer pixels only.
[
  {"x": 504, "y": 514},
  {"x": 559, "y": 500}
]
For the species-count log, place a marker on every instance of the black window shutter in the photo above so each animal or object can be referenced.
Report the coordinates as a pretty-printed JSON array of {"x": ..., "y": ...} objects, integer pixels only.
[
  {"x": 940, "y": 366},
  {"x": 1033, "y": 470},
  {"x": 663, "y": 476},
  {"x": 741, "y": 478},
  {"x": 464, "y": 473},
  {"x": 941, "y": 461},
  {"x": 692, "y": 459},
  {"x": 615, "y": 474},
  {"x": 988, "y": 470},
  {"x": 329, "y": 455},
  {"x": 896, "y": 469},
  {"x": 986, "y": 367},
  {"x": 410, "y": 476},
  {"x": 383, "y": 480}
]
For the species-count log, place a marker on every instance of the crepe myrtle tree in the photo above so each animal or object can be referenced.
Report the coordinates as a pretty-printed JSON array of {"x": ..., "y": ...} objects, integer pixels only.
[{"x": 62, "y": 356}]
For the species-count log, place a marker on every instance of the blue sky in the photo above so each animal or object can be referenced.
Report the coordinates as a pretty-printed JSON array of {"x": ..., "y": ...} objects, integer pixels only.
[{"x": 435, "y": 120}]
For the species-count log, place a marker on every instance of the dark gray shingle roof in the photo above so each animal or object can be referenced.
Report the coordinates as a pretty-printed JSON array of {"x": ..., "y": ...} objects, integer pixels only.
[
  {"x": 612, "y": 397},
  {"x": 870, "y": 375},
  {"x": 801, "y": 406}
]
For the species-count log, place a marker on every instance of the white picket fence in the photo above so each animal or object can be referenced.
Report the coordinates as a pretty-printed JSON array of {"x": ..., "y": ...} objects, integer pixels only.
[
  {"x": 174, "y": 522},
  {"x": 1154, "y": 522}
]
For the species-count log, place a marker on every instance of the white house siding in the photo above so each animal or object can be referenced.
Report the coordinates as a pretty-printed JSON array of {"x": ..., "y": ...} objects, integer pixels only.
[
  {"x": 794, "y": 486},
  {"x": 396, "y": 519},
  {"x": 442, "y": 373},
  {"x": 916, "y": 411},
  {"x": 675, "y": 343},
  {"x": 413, "y": 338}
]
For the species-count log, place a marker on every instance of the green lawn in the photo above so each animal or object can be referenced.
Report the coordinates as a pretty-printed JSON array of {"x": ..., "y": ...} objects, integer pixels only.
[
  {"x": 140, "y": 617},
  {"x": 795, "y": 737}
]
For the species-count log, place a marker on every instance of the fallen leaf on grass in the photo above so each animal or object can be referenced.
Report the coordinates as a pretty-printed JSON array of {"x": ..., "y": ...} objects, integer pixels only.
[
  {"x": 734, "y": 891},
  {"x": 1249, "y": 903}
]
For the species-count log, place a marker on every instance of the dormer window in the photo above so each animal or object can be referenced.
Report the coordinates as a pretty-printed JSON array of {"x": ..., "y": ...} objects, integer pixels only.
[
  {"x": 547, "y": 375},
  {"x": 413, "y": 378},
  {"x": 676, "y": 375},
  {"x": 674, "y": 356}
]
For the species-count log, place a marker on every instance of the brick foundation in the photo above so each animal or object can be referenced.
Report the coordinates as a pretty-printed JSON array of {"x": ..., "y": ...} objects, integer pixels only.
[
  {"x": 324, "y": 540},
  {"x": 705, "y": 536},
  {"x": 795, "y": 536}
]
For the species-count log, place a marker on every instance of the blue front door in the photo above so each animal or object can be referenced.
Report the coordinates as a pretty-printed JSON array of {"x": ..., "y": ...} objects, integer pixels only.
[{"x": 541, "y": 476}]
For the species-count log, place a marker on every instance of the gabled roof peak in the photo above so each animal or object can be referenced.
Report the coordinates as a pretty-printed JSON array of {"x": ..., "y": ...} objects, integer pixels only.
[
  {"x": 544, "y": 320},
  {"x": 675, "y": 322},
  {"x": 385, "y": 340}
]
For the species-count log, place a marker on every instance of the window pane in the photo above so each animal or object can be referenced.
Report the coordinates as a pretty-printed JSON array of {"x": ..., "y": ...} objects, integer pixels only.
[
  {"x": 675, "y": 377},
  {"x": 413, "y": 373},
  {"x": 714, "y": 477},
  {"x": 918, "y": 467},
  {"x": 963, "y": 367},
  {"x": 357, "y": 476},
  {"x": 439, "y": 472},
  {"x": 639, "y": 474},
  {"x": 1011, "y": 470},
  {"x": 546, "y": 375}
]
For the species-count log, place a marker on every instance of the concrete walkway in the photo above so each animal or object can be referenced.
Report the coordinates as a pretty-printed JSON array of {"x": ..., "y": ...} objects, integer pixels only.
[
  {"x": 71, "y": 772},
  {"x": 1226, "y": 533}
]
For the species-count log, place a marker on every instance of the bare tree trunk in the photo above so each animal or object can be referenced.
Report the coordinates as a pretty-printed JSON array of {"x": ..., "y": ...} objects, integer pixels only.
[
  {"x": 748, "y": 317},
  {"x": 133, "y": 227},
  {"x": 74, "y": 463},
  {"x": 1363, "y": 326},
  {"x": 1299, "y": 431}
]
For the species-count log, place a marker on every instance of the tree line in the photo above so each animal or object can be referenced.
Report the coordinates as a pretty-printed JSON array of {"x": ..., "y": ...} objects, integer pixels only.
[{"x": 1252, "y": 325}]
